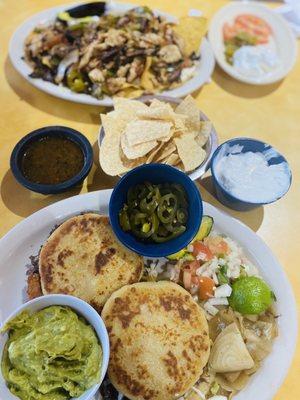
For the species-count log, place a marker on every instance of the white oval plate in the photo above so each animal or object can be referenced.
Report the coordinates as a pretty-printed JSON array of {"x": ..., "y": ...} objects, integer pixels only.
[
  {"x": 26, "y": 238},
  {"x": 16, "y": 52},
  {"x": 284, "y": 39}
]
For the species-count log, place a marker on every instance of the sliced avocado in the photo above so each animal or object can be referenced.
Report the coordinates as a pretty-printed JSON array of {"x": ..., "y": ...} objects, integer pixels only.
[
  {"x": 189, "y": 257},
  {"x": 205, "y": 228},
  {"x": 177, "y": 256}
]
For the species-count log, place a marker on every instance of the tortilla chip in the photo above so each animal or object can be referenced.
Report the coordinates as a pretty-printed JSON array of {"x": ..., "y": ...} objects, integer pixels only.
[
  {"x": 189, "y": 107},
  {"x": 151, "y": 156},
  {"x": 146, "y": 81},
  {"x": 180, "y": 123},
  {"x": 109, "y": 154},
  {"x": 112, "y": 122},
  {"x": 203, "y": 135},
  {"x": 139, "y": 150},
  {"x": 172, "y": 159},
  {"x": 155, "y": 103},
  {"x": 166, "y": 150},
  {"x": 132, "y": 163},
  {"x": 191, "y": 30},
  {"x": 128, "y": 106},
  {"x": 167, "y": 138},
  {"x": 180, "y": 166},
  {"x": 163, "y": 113},
  {"x": 131, "y": 92},
  {"x": 191, "y": 154},
  {"x": 141, "y": 131}
]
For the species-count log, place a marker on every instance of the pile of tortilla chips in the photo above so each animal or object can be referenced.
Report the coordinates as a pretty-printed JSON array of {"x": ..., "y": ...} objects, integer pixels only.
[{"x": 138, "y": 134}]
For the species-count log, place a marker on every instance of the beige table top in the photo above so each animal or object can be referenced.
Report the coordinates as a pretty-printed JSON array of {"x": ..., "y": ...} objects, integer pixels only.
[{"x": 270, "y": 113}]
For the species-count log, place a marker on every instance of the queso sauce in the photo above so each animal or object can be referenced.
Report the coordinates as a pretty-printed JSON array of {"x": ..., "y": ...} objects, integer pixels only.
[{"x": 51, "y": 160}]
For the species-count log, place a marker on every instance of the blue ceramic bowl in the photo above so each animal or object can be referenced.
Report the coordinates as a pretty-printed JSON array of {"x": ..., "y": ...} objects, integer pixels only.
[
  {"x": 156, "y": 173},
  {"x": 247, "y": 144},
  {"x": 61, "y": 131}
]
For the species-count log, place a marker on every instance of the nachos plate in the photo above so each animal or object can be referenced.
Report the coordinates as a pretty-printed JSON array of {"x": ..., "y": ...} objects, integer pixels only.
[{"x": 201, "y": 76}]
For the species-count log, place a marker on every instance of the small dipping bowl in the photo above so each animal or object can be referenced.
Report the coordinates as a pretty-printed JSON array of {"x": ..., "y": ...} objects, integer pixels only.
[
  {"x": 51, "y": 131},
  {"x": 156, "y": 173},
  {"x": 244, "y": 145},
  {"x": 81, "y": 308}
]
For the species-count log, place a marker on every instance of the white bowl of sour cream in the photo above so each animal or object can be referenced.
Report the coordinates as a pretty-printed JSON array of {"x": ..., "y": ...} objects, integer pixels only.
[{"x": 248, "y": 173}]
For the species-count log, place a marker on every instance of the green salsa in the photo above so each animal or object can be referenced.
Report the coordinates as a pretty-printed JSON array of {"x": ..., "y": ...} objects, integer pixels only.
[
  {"x": 155, "y": 213},
  {"x": 52, "y": 354}
]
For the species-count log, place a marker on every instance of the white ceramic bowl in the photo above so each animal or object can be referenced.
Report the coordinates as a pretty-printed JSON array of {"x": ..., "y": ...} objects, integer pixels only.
[
  {"x": 283, "y": 36},
  {"x": 80, "y": 307}
]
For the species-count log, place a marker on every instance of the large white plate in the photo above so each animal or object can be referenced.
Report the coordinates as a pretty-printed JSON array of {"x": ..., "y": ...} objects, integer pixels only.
[
  {"x": 16, "y": 51},
  {"x": 26, "y": 238},
  {"x": 284, "y": 39}
]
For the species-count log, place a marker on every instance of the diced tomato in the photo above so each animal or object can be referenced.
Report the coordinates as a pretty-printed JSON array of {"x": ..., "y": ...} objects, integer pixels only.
[
  {"x": 229, "y": 31},
  {"x": 216, "y": 245},
  {"x": 254, "y": 24},
  {"x": 206, "y": 287},
  {"x": 250, "y": 24},
  {"x": 202, "y": 251}
]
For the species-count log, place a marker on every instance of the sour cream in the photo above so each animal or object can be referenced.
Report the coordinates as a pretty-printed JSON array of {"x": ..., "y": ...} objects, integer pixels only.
[
  {"x": 187, "y": 73},
  {"x": 256, "y": 61},
  {"x": 249, "y": 177}
]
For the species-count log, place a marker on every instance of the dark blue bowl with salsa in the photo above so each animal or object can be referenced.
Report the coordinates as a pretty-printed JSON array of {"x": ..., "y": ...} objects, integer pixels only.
[
  {"x": 156, "y": 174},
  {"x": 52, "y": 159}
]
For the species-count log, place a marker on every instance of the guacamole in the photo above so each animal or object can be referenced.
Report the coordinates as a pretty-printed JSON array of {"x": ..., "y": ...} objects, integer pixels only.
[{"x": 53, "y": 354}]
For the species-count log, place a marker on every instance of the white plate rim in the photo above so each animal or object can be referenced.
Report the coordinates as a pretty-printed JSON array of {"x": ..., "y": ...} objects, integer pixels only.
[
  {"x": 265, "y": 383},
  {"x": 15, "y": 51},
  {"x": 239, "y": 5}
]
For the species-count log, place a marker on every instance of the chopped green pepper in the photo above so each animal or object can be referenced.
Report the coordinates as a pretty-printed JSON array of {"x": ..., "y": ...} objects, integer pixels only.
[{"x": 222, "y": 275}]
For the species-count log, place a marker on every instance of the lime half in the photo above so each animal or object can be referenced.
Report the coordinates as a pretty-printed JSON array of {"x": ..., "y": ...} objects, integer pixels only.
[{"x": 250, "y": 295}]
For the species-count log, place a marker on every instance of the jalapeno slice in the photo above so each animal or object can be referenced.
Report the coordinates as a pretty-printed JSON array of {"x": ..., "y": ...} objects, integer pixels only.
[
  {"x": 124, "y": 219},
  {"x": 155, "y": 213},
  {"x": 161, "y": 239},
  {"x": 167, "y": 208},
  {"x": 75, "y": 81}
]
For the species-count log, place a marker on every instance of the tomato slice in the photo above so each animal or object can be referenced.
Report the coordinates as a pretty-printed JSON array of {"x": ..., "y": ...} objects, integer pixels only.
[
  {"x": 254, "y": 23},
  {"x": 217, "y": 245},
  {"x": 229, "y": 31},
  {"x": 250, "y": 24},
  {"x": 193, "y": 266},
  {"x": 202, "y": 252},
  {"x": 206, "y": 287}
]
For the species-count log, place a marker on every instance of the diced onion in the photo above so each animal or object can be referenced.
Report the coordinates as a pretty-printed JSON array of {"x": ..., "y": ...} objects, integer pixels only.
[
  {"x": 223, "y": 291},
  {"x": 218, "y": 301}
]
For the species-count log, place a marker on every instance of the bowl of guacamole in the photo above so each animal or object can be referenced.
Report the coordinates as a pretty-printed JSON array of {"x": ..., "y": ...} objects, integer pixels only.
[{"x": 54, "y": 347}]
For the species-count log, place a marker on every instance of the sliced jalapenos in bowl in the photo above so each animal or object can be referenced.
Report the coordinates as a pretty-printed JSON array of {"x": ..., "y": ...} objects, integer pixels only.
[{"x": 156, "y": 213}]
